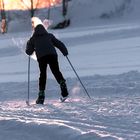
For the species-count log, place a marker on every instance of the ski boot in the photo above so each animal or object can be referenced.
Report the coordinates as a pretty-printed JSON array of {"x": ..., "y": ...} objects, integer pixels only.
[
  {"x": 62, "y": 99},
  {"x": 64, "y": 91},
  {"x": 41, "y": 97}
]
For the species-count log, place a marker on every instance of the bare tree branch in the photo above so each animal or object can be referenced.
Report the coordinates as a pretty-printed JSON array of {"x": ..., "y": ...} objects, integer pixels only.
[
  {"x": 65, "y": 7},
  {"x": 3, "y": 17},
  {"x": 2, "y": 7},
  {"x": 32, "y": 6},
  {"x": 25, "y": 4}
]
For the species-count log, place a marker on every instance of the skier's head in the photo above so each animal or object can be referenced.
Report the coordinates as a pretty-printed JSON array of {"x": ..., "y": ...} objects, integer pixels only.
[{"x": 35, "y": 21}]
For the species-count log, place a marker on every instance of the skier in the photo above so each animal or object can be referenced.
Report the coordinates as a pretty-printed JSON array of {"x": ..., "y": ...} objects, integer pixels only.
[{"x": 44, "y": 43}]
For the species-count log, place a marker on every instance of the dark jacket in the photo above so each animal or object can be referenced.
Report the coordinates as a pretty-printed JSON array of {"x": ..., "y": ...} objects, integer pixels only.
[{"x": 44, "y": 43}]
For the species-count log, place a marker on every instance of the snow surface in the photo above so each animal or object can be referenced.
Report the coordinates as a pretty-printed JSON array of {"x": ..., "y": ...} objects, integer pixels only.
[{"x": 105, "y": 54}]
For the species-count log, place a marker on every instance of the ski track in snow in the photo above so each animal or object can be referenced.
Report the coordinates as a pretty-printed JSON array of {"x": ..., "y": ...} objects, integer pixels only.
[{"x": 113, "y": 112}]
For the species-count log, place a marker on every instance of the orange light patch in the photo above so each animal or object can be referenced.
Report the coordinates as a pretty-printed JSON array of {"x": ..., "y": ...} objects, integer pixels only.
[{"x": 26, "y": 4}]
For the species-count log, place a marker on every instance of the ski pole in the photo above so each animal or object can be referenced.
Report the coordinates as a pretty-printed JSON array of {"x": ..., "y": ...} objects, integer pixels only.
[
  {"x": 78, "y": 77},
  {"x": 28, "y": 96}
]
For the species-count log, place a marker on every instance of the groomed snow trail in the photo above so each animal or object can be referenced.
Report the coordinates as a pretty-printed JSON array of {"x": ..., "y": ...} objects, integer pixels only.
[{"x": 113, "y": 112}]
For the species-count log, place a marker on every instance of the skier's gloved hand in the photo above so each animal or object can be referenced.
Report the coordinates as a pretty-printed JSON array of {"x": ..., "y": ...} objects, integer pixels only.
[{"x": 65, "y": 54}]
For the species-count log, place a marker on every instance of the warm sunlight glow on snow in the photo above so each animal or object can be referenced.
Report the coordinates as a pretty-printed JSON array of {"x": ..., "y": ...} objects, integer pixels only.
[{"x": 26, "y": 4}]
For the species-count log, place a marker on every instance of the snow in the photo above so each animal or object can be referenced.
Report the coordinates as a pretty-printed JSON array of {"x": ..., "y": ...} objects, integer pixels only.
[{"x": 104, "y": 53}]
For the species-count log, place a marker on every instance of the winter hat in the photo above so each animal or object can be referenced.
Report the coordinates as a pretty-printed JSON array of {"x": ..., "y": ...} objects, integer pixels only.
[{"x": 36, "y": 21}]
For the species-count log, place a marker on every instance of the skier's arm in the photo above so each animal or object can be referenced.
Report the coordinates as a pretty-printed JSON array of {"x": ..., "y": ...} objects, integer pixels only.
[
  {"x": 29, "y": 47},
  {"x": 60, "y": 45}
]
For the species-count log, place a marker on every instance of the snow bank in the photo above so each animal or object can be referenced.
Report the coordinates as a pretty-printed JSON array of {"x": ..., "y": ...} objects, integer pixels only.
[{"x": 91, "y": 10}]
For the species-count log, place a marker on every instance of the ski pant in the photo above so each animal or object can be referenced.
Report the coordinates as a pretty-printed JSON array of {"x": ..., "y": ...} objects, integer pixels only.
[{"x": 52, "y": 61}]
